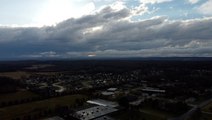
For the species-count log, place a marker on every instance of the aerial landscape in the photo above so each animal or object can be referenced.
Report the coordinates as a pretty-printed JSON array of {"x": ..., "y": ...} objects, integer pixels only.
[
  {"x": 106, "y": 60},
  {"x": 130, "y": 89}
]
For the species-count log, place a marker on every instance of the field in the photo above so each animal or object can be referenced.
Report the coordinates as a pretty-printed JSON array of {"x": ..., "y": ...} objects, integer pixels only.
[
  {"x": 15, "y": 75},
  {"x": 207, "y": 108},
  {"x": 146, "y": 114},
  {"x": 207, "y": 112},
  {"x": 17, "y": 96},
  {"x": 156, "y": 113},
  {"x": 206, "y": 116},
  {"x": 39, "y": 66},
  {"x": 33, "y": 108}
]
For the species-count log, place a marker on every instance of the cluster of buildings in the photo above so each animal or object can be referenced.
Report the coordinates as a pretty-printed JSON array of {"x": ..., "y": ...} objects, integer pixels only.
[
  {"x": 63, "y": 82},
  {"x": 111, "y": 86},
  {"x": 100, "y": 110}
]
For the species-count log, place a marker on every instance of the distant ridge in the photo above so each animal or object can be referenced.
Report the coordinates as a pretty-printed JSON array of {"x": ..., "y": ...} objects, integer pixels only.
[
  {"x": 172, "y": 58},
  {"x": 118, "y": 58}
]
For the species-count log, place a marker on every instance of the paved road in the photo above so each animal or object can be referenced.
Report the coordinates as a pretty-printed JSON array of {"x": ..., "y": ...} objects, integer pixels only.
[
  {"x": 61, "y": 88},
  {"x": 209, "y": 113},
  {"x": 188, "y": 114}
]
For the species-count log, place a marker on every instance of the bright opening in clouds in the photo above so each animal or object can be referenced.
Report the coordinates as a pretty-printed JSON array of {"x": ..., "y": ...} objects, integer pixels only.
[
  {"x": 37, "y": 29},
  {"x": 55, "y": 11}
]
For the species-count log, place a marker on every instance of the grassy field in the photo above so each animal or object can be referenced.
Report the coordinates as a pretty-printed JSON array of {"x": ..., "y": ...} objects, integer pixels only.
[
  {"x": 158, "y": 114},
  {"x": 8, "y": 113},
  {"x": 207, "y": 112},
  {"x": 207, "y": 108},
  {"x": 17, "y": 96},
  {"x": 15, "y": 75},
  {"x": 206, "y": 116},
  {"x": 143, "y": 114},
  {"x": 39, "y": 66}
]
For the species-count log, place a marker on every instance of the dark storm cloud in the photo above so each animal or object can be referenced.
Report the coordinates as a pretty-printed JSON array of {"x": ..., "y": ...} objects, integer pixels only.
[{"x": 109, "y": 33}]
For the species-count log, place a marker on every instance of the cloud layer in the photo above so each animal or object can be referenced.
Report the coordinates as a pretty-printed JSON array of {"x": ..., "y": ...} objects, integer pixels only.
[
  {"x": 206, "y": 8},
  {"x": 109, "y": 33}
]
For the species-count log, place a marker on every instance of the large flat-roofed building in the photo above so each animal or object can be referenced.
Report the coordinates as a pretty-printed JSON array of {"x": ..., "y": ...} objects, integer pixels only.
[
  {"x": 112, "y": 89},
  {"x": 103, "y": 103},
  {"x": 94, "y": 112},
  {"x": 106, "y": 93},
  {"x": 153, "y": 90}
]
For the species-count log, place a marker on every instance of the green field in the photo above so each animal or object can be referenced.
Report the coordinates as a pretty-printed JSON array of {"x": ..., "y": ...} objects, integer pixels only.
[
  {"x": 142, "y": 114},
  {"x": 208, "y": 108},
  {"x": 32, "y": 108},
  {"x": 156, "y": 113},
  {"x": 205, "y": 116},
  {"x": 15, "y": 75},
  {"x": 17, "y": 96},
  {"x": 207, "y": 112}
]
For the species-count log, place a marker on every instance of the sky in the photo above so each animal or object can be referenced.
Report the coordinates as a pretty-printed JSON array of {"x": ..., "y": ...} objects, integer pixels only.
[{"x": 59, "y": 29}]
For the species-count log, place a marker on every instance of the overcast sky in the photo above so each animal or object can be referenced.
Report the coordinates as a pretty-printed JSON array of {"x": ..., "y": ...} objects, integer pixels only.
[{"x": 39, "y": 29}]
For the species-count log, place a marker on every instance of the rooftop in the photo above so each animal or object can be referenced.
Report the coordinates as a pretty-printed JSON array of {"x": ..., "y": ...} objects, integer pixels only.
[
  {"x": 111, "y": 89},
  {"x": 107, "y": 93},
  {"x": 137, "y": 102},
  {"x": 153, "y": 90},
  {"x": 94, "y": 112},
  {"x": 103, "y": 103}
]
